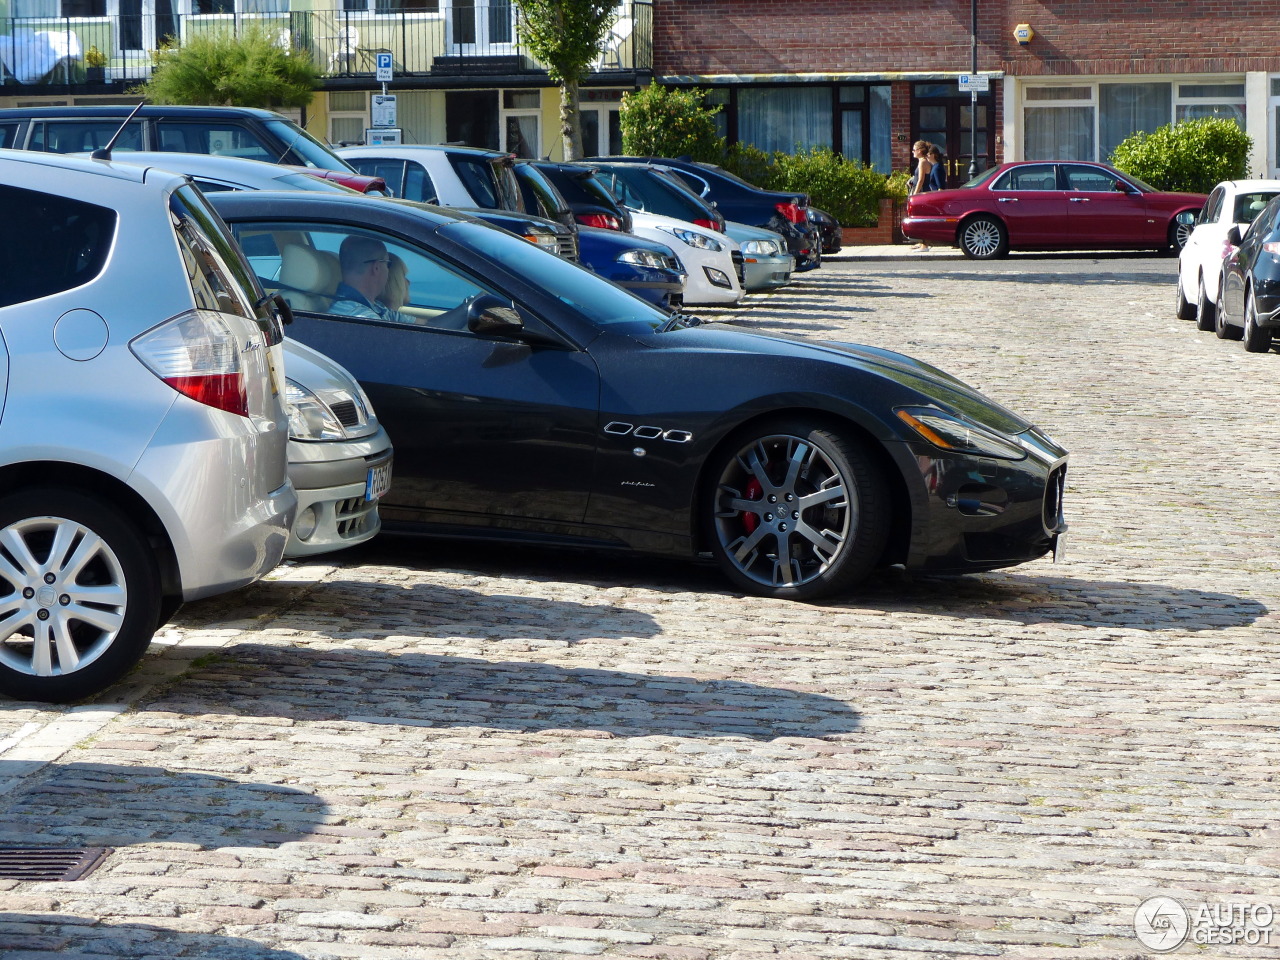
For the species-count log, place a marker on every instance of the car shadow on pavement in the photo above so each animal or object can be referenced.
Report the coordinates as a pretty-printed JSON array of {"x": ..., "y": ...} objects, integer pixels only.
[
  {"x": 115, "y": 805},
  {"x": 355, "y": 685},
  {"x": 1036, "y": 599},
  {"x": 1108, "y": 277},
  {"x": 59, "y": 935}
]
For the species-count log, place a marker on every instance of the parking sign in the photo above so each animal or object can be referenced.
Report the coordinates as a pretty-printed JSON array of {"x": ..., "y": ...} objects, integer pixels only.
[{"x": 384, "y": 68}]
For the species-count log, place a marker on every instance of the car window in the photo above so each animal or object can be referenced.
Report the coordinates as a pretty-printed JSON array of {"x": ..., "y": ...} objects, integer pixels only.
[
  {"x": 8, "y": 134},
  {"x": 689, "y": 181},
  {"x": 81, "y": 136},
  {"x": 538, "y": 193},
  {"x": 219, "y": 139},
  {"x": 303, "y": 262},
  {"x": 305, "y": 148},
  {"x": 1093, "y": 180},
  {"x": 1212, "y": 207},
  {"x": 477, "y": 175},
  {"x": 49, "y": 243},
  {"x": 1037, "y": 176},
  {"x": 220, "y": 277},
  {"x": 1249, "y": 205}
]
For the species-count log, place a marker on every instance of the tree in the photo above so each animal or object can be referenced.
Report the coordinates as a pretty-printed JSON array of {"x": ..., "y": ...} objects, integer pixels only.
[
  {"x": 566, "y": 35},
  {"x": 251, "y": 69},
  {"x": 661, "y": 122}
]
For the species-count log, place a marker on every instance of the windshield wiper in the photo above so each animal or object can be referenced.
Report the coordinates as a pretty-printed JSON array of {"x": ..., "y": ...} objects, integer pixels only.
[{"x": 680, "y": 320}]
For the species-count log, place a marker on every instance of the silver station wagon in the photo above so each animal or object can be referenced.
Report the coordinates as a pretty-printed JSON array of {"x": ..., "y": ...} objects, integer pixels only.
[{"x": 143, "y": 428}]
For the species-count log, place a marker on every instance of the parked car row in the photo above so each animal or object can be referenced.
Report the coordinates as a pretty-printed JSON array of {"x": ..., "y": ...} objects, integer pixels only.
[
  {"x": 527, "y": 399},
  {"x": 1232, "y": 263}
]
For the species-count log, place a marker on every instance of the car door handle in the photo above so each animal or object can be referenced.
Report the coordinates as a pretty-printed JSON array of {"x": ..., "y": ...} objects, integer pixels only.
[
  {"x": 1007, "y": 200},
  {"x": 1079, "y": 199}
]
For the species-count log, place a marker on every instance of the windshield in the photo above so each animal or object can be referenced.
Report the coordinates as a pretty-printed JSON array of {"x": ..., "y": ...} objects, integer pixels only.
[
  {"x": 306, "y": 148},
  {"x": 980, "y": 179},
  {"x": 596, "y": 299}
]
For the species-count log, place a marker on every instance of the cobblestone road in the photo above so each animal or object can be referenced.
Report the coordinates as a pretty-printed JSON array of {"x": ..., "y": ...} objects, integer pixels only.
[{"x": 434, "y": 751}]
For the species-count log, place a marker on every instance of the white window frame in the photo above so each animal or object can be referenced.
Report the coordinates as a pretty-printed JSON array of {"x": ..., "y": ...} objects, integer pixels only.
[
  {"x": 361, "y": 115},
  {"x": 535, "y": 112}
]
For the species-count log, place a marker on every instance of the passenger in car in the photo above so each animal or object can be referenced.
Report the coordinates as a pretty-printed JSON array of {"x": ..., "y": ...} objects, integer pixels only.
[{"x": 366, "y": 268}]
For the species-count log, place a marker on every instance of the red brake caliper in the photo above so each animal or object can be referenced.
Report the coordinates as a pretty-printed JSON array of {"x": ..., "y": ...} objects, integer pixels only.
[{"x": 753, "y": 492}]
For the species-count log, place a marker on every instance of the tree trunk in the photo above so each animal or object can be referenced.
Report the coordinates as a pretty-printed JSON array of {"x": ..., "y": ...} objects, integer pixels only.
[{"x": 570, "y": 120}]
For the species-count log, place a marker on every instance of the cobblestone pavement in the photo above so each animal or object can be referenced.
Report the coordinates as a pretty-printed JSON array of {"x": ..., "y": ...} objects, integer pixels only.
[{"x": 427, "y": 751}]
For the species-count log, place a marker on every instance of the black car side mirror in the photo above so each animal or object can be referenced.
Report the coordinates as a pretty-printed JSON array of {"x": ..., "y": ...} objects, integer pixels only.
[
  {"x": 492, "y": 316},
  {"x": 1233, "y": 236}
]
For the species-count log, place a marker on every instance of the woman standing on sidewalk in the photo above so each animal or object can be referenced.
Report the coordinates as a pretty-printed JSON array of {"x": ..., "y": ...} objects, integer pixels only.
[{"x": 924, "y": 167}]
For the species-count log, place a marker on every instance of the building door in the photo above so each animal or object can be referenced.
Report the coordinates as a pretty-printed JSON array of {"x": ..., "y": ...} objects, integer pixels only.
[
  {"x": 480, "y": 27},
  {"x": 143, "y": 24},
  {"x": 944, "y": 116}
]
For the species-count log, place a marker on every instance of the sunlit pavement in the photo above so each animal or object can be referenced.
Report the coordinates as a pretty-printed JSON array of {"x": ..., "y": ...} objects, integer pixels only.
[{"x": 427, "y": 750}]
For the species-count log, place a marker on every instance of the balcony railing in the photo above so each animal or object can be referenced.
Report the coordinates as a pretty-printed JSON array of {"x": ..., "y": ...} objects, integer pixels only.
[{"x": 472, "y": 41}]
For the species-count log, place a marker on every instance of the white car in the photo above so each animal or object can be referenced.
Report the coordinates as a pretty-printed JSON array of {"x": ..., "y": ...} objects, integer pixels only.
[
  {"x": 339, "y": 455},
  {"x": 712, "y": 260},
  {"x": 443, "y": 174},
  {"x": 1232, "y": 203}
]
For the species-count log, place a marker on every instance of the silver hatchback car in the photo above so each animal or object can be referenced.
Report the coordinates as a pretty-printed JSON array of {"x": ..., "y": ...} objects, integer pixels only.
[{"x": 143, "y": 429}]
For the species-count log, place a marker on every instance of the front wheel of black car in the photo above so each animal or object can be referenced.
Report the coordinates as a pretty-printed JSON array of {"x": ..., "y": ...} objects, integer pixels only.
[
  {"x": 798, "y": 511},
  {"x": 984, "y": 238},
  {"x": 1257, "y": 339},
  {"x": 79, "y": 595}
]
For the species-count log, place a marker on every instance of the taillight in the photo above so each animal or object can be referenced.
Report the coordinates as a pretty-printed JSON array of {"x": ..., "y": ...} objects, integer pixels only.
[
  {"x": 709, "y": 225},
  {"x": 792, "y": 212},
  {"x": 198, "y": 355},
  {"x": 1272, "y": 248},
  {"x": 605, "y": 221}
]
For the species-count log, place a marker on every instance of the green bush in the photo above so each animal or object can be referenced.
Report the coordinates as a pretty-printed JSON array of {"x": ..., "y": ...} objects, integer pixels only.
[
  {"x": 1193, "y": 155},
  {"x": 665, "y": 122},
  {"x": 844, "y": 188},
  {"x": 223, "y": 69}
]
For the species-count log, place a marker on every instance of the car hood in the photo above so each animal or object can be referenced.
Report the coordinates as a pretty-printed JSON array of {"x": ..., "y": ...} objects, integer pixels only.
[{"x": 917, "y": 383}]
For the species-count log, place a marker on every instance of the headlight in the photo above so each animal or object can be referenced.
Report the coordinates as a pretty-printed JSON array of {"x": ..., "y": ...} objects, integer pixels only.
[
  {"x": 310, "y": 417},
  {"x": 693, "y": 239},
  {"x": 547, "y": 241},
  {"x": 958, "y": 435},
  {"x": 759, "y": 248},
  {"x": 644, "y": 258}
]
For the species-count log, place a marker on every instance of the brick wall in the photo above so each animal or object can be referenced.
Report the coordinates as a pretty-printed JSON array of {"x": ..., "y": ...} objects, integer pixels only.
[{"x": 859, "y": 36}]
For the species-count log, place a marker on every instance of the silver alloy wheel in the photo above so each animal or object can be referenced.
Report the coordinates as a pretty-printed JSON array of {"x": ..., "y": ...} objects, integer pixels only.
[
  {"x": 784, "y": 511},
  {"x": 981, "y": 238},
  {"x": 63, "y": 596},
  {"x": 1182, "y": 234}
]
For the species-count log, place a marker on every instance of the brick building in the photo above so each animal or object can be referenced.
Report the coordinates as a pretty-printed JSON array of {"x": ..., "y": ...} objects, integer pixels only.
[{"x": 870, "y": 78}]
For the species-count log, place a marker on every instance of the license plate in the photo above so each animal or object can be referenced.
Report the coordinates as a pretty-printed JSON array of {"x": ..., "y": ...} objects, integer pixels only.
[
  {"x": 1060, "y": 548},
  {"x": 378, "y": 482}
]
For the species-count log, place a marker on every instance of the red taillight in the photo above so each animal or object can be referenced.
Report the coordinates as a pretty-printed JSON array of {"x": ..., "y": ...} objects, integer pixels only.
[
  {"x": 603, "y": 220},
  {"x": 708, "y": 225},
  {"x": 222, "y": 390},
  {"x": 793, "y": 212},
  {"x": 198, "y": 355}
]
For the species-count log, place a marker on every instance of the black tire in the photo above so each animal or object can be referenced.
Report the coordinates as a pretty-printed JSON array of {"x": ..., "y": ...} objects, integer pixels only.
[
  {"x": 1183, "y": 308},
  {"x": 983, "y": 238},
  {"x": 1256, "y": 339},
  {"x": 1224, "y": 330},
  {"x": 830, "y": 545},
  {"x": 1206, "y": 309},
  {"x": 79, "y": 595}
]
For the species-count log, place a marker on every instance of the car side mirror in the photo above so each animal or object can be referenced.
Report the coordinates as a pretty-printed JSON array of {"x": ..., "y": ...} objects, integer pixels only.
[
  {"x": 1187, "y": 218},
  {"x": 491, "y": 316},
  {"x": 283, "y": 308},
  {"x": 1233, "y": 236}
]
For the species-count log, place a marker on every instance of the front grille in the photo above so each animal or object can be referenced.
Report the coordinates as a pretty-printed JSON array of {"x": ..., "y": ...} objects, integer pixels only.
[
  {"x": 671, "y": 263},
  {"x": 346, "y": 412},
  {"x": 49, "y": 863},
  {"x": 737, "y": 264},
  {"x": 567, "y": 246},
  {"x": 1055, "y": 488},
  {"x": 675, "y": 301}
]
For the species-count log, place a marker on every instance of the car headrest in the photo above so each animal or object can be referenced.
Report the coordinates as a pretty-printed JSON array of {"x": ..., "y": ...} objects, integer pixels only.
[{"x": 305, "y": 268}]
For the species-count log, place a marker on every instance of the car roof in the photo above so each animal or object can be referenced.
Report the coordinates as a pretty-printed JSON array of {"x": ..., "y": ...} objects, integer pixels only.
[
  {"x": 194, "y": 164},
  {"x": 320, "y": 205},
  {"x": 408, "y": 149},
  {"x": 149, "y": 110},
  {"x": 1240, "y": 185},
  {"x": 75, "y": 166}
]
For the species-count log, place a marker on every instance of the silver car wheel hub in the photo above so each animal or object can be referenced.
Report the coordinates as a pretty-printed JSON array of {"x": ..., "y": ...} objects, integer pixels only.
[
  {"x": 982, "y": 237},
  {"x": 783, "y": 511},
  {"x": 63, "y": 596}
]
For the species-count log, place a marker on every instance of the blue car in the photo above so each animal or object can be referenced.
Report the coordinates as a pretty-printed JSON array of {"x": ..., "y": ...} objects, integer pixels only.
[{"x": 648, "y": 269}]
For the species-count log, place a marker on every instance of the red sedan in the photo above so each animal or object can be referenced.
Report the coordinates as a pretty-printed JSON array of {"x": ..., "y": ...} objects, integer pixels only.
[{"x": 1036, "y": 205}]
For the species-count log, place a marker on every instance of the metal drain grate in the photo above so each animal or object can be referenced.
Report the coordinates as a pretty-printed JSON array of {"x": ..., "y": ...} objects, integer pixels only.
[{"x": 50, "y": 863}]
